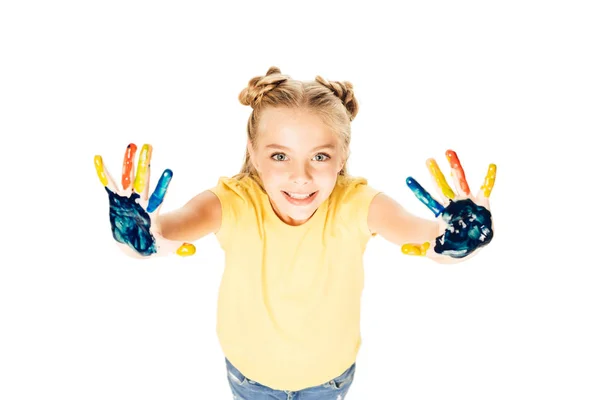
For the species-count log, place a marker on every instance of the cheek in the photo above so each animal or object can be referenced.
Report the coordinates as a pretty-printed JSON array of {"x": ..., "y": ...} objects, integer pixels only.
[
  {"x": 273, "y": 180},
  {"x": 274, "y": 175},
  {"x": 326, "y": 175}
]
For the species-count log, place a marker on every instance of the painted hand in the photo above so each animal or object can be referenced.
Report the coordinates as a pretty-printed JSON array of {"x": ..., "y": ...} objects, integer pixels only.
[
  {"x": 134, "y": 215},
  {"x": 465, "y": 221}
]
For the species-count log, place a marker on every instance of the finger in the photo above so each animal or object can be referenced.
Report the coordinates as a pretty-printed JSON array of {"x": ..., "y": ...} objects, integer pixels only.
[
  {"x": 103, "y": 174},
  {"x": 458, "y": 174},
  {"x": 142, "y": 174},
  {"x": 424, "y": 196},
  {"x": 415, "y": 249},
  {"x": 483, "y": 196},
  {"x": 127, "y": 174},
  {"x": 186, "y": 249},
  {"x": 439, "y": 179},
  {"x": 159, "y": 192}
]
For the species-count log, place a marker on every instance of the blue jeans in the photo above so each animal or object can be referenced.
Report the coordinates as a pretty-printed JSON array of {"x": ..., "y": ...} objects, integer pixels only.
[{"x": 246, "y": 389}]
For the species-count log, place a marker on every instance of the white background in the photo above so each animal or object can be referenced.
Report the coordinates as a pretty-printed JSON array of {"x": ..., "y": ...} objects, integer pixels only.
[{"x": 515, "y": 83}]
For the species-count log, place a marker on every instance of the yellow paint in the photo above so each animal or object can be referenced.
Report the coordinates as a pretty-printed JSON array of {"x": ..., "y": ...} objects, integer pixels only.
[
  {"x": 142, "y": 169},
  {"x": 489, "y": 181},
  {"x": 439, "y": 178},
  {"x": 186, "y": 249},
  {"x": 413, "y": 249},
  {"x": 99, "y": 164}
]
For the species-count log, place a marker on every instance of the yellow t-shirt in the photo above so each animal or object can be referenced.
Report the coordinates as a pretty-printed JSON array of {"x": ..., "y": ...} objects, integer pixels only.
[{"x": 289, "y": 302}]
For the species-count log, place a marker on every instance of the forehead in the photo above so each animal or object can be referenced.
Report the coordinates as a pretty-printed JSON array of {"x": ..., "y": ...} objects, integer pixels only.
[{"x": 293, "y": 127}]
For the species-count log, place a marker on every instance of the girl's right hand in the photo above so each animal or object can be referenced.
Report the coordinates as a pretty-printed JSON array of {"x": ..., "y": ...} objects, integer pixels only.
[{"x": 134, "y": 214}]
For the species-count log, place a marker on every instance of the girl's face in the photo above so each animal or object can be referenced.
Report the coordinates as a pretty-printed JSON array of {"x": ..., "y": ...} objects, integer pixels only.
[{"x": 298, "y": 159}]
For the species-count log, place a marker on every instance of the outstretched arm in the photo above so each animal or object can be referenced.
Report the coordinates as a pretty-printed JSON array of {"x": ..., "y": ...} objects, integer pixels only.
[
  {"x": 197, "y": 218},
  {"x": 395, "y": 224}
]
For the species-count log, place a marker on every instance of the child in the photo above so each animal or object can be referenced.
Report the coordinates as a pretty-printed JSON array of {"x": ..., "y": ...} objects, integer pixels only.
[{"x": 294, "y": 226}]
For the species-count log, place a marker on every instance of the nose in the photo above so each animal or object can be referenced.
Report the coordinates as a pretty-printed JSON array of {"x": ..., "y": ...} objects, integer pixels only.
[{"x": 301, "y": 174}]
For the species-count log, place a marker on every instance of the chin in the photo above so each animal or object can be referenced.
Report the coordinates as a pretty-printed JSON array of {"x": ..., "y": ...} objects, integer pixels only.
[{"x": 301, "y": 215}]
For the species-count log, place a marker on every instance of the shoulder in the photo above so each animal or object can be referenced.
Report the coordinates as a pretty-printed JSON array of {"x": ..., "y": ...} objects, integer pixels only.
[
  {"x": 238, "y": 196},
  {"x": 352, "y": 188},
  {"x": 241, "y": 187},
  {"x": 351, "y": 198}
]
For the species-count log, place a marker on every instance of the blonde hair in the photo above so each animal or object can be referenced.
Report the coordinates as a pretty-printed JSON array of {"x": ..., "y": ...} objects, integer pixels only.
[{"x": 332, "y": 101}]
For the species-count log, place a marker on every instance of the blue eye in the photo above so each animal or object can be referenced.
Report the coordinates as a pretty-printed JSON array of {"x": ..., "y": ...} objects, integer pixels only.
[
  {"x": 327, "y": 157},
  {"x": 278, "y": 154},
  {"x": 283, "y": 157}
]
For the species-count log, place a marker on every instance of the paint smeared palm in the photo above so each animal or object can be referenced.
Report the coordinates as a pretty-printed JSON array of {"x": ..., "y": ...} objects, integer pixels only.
[
  {"x": 134, "y": 214},
  {"x": 465, "y": 220}
]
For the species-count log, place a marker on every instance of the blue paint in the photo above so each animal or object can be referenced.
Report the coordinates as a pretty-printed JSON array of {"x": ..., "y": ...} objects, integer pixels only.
[
  {"x": 469, "y": 227},
  {"x": 159, "y": 193},
  {"x": 424, "y": 196},
  {"x": 130, "y": 224}
]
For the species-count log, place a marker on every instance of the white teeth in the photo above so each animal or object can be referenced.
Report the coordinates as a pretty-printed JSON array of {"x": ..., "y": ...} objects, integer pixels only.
[{"x": 298, "y": 196}]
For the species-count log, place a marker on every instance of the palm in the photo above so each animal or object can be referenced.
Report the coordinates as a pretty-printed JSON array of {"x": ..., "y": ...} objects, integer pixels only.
[
  {"x": 465, "y": 221},
  {"x": 133, "y": 214}
]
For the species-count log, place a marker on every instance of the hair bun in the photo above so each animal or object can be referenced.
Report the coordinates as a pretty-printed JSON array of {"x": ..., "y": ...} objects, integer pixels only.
[
  {"x": 259, "y": 86},
  {"x": 345, "y": 92}
]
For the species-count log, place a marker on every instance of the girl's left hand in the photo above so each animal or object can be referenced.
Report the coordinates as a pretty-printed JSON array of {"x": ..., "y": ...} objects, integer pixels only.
[{"x": 465, "y": 221}]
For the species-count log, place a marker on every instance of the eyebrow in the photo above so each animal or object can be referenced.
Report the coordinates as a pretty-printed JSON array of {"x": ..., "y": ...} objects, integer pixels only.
[{"x": 278, "y": 146}]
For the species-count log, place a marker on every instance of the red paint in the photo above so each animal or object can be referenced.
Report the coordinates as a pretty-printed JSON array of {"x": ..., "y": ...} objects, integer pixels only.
[
  {"x": 128, "y": 165},
  {"x": 458, "y": 170}
]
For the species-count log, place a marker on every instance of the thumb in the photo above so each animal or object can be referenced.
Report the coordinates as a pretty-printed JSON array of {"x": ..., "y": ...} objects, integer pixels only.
[
  {"x": 415, "y": 249},
  {"x": 186, "y": 249}
]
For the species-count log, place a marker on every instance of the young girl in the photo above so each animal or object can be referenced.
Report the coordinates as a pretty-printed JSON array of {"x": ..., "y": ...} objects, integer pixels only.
[{"x": 294, "y": 226}]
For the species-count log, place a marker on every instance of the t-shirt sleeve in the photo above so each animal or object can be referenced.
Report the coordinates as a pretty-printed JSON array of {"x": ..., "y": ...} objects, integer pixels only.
[
  {"x": 231, "y": 195},
  {"x": 358, "y": 198}
]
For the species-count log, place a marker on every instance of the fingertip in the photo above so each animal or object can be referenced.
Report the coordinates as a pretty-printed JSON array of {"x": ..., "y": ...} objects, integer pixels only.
[
  {"x": 452, "y": 158},
  {"x": 145, "y": 154},
  {"x": 490, "y": 180},
  {"x": 99, "y": 165},
  {"x": 413, "y": 249},
  {"x": 164, "y": 180},
  {"x": 186, "y": 249},
  {"x": 407, "y": 249}
]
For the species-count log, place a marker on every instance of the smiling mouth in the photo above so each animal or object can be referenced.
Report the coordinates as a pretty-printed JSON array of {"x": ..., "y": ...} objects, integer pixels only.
[{"x": 299, "y": 196}]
